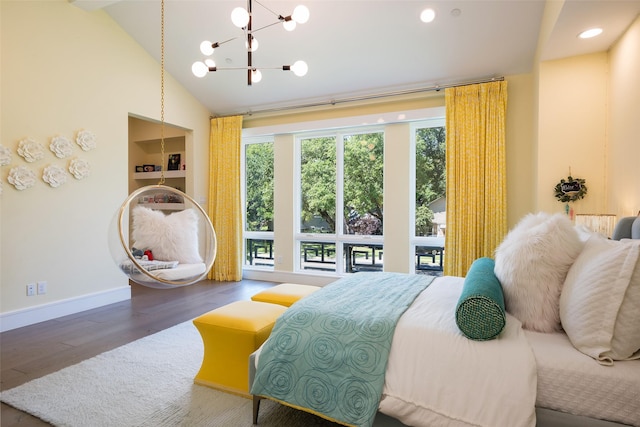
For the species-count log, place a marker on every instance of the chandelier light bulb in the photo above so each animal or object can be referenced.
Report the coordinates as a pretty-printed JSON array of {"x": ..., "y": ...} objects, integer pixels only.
[
  {"x": 240, "y": 17},
  {"x": 256, "y": 76},
  {"x": 206, "y": 47},
  {"x": 199, "y": 69},
  {"x": 299, "y": 68},
  {"x": 254, "y": 44},
  {"x": 209, "y": 63},
  {"x": 300, "y": 14},
  {"x": 289, "y": 25}
]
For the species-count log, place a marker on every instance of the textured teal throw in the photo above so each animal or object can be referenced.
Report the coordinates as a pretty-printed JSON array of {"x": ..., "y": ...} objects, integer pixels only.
[
  {"x": 327, "y": 354},
  {"x": 480, "y": 310}
]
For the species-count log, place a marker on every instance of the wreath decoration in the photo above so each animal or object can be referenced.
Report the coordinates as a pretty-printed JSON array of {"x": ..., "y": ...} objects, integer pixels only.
[{"x": 570, "y": 189}]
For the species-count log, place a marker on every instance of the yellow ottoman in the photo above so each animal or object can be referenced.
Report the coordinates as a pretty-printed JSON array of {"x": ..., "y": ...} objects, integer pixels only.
[
  {"x": 285, "y": 294},
  {"x": 230, "y": 334}
]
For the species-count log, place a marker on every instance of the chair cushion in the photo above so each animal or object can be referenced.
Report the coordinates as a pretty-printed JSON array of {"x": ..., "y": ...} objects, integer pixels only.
[{"x": 285, "y": 293}]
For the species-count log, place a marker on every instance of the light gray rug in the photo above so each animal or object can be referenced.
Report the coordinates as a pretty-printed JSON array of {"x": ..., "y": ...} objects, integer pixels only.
[{"x": 146, "y": 383}]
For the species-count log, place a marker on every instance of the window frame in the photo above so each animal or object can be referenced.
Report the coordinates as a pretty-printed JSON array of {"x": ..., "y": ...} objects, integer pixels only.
[
  {"x": 415, "y": 241},
  {"x": 339, "y": 238},
  {"x": 252, "y": 235}
]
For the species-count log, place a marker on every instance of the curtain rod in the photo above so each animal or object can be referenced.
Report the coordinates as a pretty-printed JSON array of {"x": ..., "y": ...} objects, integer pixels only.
[{"x": 436, "y": 88}]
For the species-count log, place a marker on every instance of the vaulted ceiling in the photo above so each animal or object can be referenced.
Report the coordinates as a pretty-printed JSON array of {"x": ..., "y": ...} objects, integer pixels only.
[{"x": 359, "y": 48}]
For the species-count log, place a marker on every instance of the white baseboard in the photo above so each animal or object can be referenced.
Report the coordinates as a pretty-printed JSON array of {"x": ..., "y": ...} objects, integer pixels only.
[
  {"x": 44, "y": 312},
  {"x": 289, "y": 277}
]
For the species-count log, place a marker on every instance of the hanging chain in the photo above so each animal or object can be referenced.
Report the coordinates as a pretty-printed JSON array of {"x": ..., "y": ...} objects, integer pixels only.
[{"x": 162, "y": 164}]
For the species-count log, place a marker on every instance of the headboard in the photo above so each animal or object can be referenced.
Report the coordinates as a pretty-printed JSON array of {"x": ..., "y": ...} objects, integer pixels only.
[{"x": 627, "y": 228}]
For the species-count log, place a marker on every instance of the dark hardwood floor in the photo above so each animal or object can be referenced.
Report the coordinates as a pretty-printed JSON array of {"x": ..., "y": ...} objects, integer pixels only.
[{"x": 37, "y": 350}]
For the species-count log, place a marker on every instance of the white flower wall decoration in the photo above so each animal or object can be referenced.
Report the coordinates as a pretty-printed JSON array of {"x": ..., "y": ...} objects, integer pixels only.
[
  {"x": 31, "y": 150},
  {"x": 54, "y": 175},
  {"x": 86, "y": 140},
  {"x": 21, "y": 177},
  {"x": 5, "y": 156},
  {"x": 79, "y": 168},
  {"x": 61, "y": 146}
]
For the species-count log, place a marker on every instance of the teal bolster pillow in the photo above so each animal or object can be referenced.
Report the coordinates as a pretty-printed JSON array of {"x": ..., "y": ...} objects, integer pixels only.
[{"x": 480, "y": 310}]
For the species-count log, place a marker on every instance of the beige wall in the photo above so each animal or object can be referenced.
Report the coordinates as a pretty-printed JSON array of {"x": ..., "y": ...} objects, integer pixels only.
[
  {"x": 66, "y": 69},
  {"x": 623, "y": 149},
  {"x": 589, "y": 121},
  {"x": 572, "y": 130}
]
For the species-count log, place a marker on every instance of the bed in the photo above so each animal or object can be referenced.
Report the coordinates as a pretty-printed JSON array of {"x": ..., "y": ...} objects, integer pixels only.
[{"x": 436, "y": 375}]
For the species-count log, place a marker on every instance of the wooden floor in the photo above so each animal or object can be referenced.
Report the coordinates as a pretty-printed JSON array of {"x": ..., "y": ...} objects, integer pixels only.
[{"x": 37, "y": 350}]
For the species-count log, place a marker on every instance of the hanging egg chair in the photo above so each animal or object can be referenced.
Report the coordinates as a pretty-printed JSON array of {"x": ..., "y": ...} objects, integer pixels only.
[{"x": 160, "y": 237}]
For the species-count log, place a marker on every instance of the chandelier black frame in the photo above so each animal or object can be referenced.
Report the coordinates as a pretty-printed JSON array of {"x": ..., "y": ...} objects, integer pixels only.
[{"x": 243, "y": 18}]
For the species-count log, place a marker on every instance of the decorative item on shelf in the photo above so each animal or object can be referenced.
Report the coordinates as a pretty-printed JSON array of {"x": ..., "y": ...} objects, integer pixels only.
[
  {"x": 569, "y": 190},
  {"x": 174, "y": 162},
  {"x": 243, "y": 19},
  {"x": 30, "y": 150},
  {"x": 139, "y": 168},
  {"x": 61, "y": 146},
  {"x": 54, "y": 175},
  {"x": 599, "y": 223},
  {"x": 86, "y": 140},
  {"x": 149, "y": 168},
  {"x": 21, "y": 177}
]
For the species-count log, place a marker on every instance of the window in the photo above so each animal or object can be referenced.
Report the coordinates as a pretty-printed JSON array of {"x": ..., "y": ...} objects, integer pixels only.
[
  {"x": 430, "y": 201},
  {"x": 258, "y": 194},
  {"x": 341, "y": 201}
]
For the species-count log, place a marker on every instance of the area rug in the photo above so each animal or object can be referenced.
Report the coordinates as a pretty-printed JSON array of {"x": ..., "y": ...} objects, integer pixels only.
[{"x": 143, "y": 384}]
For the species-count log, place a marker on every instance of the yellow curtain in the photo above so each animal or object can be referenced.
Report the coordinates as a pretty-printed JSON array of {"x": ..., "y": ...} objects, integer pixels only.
[
  {"x": 476, "y": 169},
  {"x": 224, "y": 196}
]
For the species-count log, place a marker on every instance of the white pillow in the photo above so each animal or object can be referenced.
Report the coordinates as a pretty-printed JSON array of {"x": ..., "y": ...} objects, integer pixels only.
[
  {"x": 171, "y": 237},
  {"x": 532, "y": 263},
  {"x": 600, "y": 302}
]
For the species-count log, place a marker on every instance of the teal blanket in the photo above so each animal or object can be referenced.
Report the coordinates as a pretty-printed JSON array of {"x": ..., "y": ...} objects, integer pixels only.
[{"x": 327, "y": 354}]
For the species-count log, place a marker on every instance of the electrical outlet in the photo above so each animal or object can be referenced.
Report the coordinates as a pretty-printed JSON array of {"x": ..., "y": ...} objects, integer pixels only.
[
  {"x": 42, "y": 287},
  {"x": 31, "y": 289}
]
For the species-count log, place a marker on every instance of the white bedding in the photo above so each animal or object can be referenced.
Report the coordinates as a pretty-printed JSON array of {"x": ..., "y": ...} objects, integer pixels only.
[
  {"x": 436, "y": 376},
  {"x": 572, "y": 382}
]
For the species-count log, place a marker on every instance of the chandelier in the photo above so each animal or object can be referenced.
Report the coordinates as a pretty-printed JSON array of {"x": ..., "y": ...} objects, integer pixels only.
[{"x": 242, "y": 18}]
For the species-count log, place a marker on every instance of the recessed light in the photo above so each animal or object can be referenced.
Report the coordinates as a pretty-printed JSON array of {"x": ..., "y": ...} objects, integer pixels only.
[
  {"x": 428, "y": 15},
  {"x": 592, "y": 32}
]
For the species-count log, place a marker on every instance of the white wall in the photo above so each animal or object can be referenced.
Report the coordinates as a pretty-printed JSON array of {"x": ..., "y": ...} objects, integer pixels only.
[{"x": 66, "y": 69}]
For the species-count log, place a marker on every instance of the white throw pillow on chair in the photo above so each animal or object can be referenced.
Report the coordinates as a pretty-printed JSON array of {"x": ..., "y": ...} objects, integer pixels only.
[{"x": 171, "y": 237}]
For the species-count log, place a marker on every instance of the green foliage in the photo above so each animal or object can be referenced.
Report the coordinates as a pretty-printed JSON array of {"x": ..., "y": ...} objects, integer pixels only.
[
  {"x": 363, "y": 181},
  {"x": 364, "y": 177},
  {"x": 259, "y": 186},
  {"x": 430, "y": 174},
  {"x": 318, "y": 180},
  {"x": 363, "y": 163}
]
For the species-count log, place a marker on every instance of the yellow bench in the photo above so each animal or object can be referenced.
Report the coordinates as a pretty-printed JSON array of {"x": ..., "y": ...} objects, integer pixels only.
[
  {"x": 230, "y": 334},
  {"x": 284, "y": 294}
]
